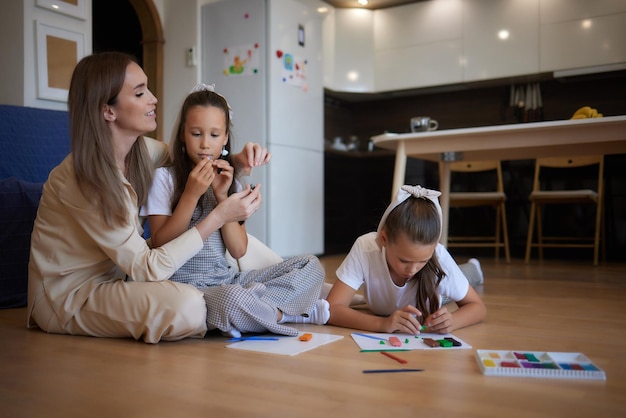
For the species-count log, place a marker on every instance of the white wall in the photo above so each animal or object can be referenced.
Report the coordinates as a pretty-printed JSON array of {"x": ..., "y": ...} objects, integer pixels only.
[
  {"x": 19, "y": 49},
  {"x": 12, "y": 48},
  {"x": 178, "y": 77}
]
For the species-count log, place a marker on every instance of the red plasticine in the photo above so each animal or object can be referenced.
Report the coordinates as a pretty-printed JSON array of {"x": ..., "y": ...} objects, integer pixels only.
[{"x": 395, "y": 342}]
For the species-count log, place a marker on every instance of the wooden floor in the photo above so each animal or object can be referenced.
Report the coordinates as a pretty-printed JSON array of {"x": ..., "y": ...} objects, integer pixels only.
[{"x": 568, "y": 307}]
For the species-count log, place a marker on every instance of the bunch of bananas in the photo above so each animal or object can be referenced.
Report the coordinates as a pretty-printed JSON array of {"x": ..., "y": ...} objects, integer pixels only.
[{"x": 586, "y": 112}]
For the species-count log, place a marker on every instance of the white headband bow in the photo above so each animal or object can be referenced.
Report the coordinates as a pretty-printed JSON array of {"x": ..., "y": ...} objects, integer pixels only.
[
  {"x": 416, "y": 191},
  {"x": 211, "y": 87}
]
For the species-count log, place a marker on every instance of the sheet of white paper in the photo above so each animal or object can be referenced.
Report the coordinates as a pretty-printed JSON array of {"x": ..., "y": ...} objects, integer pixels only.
[
  {"x": 289, "y": 346},
  {"x": 380, "y": 342}
]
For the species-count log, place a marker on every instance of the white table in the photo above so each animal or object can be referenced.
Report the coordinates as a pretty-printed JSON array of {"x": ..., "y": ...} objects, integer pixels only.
[{"x": 503, "y": 142}]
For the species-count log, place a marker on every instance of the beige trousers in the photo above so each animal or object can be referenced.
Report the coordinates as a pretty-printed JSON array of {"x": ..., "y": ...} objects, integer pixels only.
[{"x": 153, "y": 311}]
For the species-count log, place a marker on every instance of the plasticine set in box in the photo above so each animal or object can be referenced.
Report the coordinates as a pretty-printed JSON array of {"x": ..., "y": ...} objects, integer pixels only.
[{"x": 537, "y": 364}]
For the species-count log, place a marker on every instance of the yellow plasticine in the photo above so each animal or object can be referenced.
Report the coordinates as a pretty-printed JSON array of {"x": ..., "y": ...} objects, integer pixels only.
[{"x": 489, "y": 363}]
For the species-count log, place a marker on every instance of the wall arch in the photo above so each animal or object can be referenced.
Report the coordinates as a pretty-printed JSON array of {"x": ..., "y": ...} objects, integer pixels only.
[{"x": 153, "y": 41}]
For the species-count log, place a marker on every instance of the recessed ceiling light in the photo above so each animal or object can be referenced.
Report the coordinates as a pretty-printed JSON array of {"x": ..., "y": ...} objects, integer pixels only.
[{"x": 362, "y": 2}]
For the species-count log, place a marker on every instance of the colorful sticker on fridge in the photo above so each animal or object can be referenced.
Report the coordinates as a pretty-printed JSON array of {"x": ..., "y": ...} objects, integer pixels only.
[
  {"x": 242, "y": 60},
  {"x": 293, "y": 69}
]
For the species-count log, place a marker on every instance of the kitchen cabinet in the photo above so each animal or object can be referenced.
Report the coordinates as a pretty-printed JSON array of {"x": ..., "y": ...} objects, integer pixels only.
[
  {"x": 418, "y": 45},
  {"x": 583, "y": 42},
  {"x": 357, "y": 186},
  {"x": 349, "y": 50},
  {"x": 447, "y": 42},
  {"x": 500, "y": 38}
]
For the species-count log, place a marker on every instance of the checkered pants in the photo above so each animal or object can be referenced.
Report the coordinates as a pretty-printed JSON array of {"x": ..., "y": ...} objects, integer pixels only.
[{"x": 250, "y": 301}]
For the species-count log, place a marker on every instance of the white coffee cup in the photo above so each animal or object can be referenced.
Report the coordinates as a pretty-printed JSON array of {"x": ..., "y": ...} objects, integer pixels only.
[{"x": 423, "y": 123}]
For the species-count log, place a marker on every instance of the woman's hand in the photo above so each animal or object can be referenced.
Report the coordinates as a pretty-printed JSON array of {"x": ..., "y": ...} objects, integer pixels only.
[
  {"x": 403, "y": 320},
  {"x": 439, "y": 322},
  {"x": 252, "y": 155},
  {"x": 224, "y": 174},
  {"x": 199, "y": 179}
]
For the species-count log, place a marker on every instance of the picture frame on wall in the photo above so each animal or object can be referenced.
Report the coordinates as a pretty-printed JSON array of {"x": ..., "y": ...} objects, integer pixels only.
[
  {"x": 58, "y": 52},
  {"x": 74, "y": 8}
]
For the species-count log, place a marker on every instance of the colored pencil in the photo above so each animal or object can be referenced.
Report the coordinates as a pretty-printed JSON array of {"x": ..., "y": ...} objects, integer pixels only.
[
  {"x": 391, "y": 356},
  {"x": 392, "y": 370},
  {"x": 370, "y": 336},
  {"x": 252, "y": 339},
  {"x": 385, "y": 349}
]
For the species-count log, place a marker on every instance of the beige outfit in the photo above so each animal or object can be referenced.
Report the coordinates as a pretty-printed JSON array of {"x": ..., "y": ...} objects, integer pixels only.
[{"x": 89, "y": 279}]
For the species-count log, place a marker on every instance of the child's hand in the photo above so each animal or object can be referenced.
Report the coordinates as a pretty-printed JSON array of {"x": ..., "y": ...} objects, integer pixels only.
[
  {"x": 439, "y": 322},
  {"x": 241, "y": 205},
  {"x": 404, "y": 320},
  {"x": 200, "y": 178},
  {"x": 223, "y": 179}
]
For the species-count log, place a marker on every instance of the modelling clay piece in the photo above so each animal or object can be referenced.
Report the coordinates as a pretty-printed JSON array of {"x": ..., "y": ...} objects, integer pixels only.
[
  {"x": 531, "y": 357},
  {"x": 454, "y": 342},
  {"x": 509, "y": 364},
  {"x": 305, "y": 337},
  {"x": 445, "y": 343},
  {"x": 430, "y": 342},
  {"x": 395, "y": 342}
]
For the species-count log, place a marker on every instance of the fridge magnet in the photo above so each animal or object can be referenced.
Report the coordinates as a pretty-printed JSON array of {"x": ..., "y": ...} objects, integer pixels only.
[
  {"x": 293, "y": 69},
  {"x": 243, "y": 60}
]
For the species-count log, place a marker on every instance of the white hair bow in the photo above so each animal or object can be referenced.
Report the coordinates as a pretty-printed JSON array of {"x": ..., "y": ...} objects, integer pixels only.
[
  {"x": 416, "y": 191},
  {"x": 211, "y": 87}
]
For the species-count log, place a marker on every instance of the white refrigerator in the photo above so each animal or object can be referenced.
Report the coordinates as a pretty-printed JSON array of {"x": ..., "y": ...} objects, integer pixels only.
[{"x": 265, "y": 57}]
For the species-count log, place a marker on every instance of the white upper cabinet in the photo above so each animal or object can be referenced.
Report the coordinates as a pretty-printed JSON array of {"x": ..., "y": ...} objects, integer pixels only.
[
  {"x": 501, "y": 38},
  {"x": 438, "y": 42},
  {"x": 577, "y": 34},
  {"x": 350, "y": 61},
  {"x": 558, "y": 11},
  {"x": 418, "y": 45}
]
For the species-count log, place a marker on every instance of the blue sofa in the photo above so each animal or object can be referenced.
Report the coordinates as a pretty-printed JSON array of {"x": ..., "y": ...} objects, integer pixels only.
[{"x": 32, "y": 142}]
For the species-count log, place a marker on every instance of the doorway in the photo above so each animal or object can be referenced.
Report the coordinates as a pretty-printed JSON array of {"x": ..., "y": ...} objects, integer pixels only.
[{"x": 134, "y": 27}]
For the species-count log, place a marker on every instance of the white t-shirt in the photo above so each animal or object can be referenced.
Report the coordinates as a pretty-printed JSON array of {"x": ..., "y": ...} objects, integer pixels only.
[
  {"x": 159, "y": 201},
  {"x": 366, "y": 265},
  {"x": 160, "y": 195}
]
